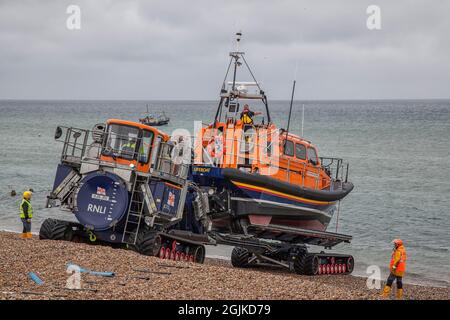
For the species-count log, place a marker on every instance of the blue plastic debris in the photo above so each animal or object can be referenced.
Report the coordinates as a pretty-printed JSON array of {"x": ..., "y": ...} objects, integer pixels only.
[
  {"x": 33, "y": 276},
  {"x": 95, "y": 273}
]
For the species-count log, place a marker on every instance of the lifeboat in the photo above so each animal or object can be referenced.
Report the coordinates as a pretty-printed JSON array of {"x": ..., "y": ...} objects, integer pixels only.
[{"x": 261, "y": 173}]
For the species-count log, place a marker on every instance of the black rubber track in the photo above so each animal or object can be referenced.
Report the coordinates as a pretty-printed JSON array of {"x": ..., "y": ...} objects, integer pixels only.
[
  {"x": 54, "y": 229},
  {"x": 311, "y": 265},
  {"x": 350, "y": 264},
  {"x": 299, "y": 264},
  {"x": 199, "y": 254},
  {"x": 148, "y": 243},
  {"x": 240, "y": 257}
]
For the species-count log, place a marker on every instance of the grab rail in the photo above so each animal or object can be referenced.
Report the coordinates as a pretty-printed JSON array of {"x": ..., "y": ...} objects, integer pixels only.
[{"x": 336, "y": 167}]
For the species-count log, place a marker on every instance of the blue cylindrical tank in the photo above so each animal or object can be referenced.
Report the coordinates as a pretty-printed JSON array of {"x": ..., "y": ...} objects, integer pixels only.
[{"x": 101, "y": 201}]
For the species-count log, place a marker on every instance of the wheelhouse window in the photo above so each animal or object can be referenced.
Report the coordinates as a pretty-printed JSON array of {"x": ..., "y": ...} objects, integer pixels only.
[
  {"x": 300, "y": 151},
  {"x": 121, "y": 141},
  {"x": 145, "y": 148},
  {"x": 269, "y": 149},
  {"x": 312, "y": 156},
  {"x": 289, "y": 148},
  {"x": 156, "y": 152}
]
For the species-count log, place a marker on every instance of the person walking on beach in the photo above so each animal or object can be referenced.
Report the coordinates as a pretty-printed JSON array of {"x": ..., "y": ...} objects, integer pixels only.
[
  {"x": 397, "y": 268},
  {"x": 26, "y": 213}
]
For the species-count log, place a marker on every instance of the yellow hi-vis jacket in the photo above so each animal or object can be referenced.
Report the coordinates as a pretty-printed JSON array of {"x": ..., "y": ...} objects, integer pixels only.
[
  {"x": 26, "y": 209},
  {"x": 246, "y": 119},
  {"x": 133, "y": 146}
]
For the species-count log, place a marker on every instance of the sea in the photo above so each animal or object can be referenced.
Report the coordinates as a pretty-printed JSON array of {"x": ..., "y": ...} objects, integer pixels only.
[{"x": 398, "y": 150}]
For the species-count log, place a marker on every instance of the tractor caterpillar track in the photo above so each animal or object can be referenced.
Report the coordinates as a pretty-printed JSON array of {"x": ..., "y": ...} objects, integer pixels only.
[{"x": 172, "y": 245}]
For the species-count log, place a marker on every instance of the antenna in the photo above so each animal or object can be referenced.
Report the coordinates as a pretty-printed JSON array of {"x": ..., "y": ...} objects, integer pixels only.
[
  {"x": 238, "y": 39},
  {"x": 303, "y": 117},
  {"x": 237, "y": 59},
  {"x": 235, "y": 55},
  {"x": 290, "y": 108},
  {"x": 292, "y": 99}
]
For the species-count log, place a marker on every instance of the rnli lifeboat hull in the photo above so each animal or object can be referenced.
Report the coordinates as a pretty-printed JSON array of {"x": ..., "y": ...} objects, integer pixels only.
[
  {"x": 277, "y": 187},
  {"x": 264, "y": 207},
  {"x": 263, "y": 200}
]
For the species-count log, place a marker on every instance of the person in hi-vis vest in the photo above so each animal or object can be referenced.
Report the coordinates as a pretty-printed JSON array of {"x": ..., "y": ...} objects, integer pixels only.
[
  {"x": 26, "y": 213},
  {"x": 397, "y": 267},
  {"x": 129, "y": 148},
  {"x": 247, "y": 115}
]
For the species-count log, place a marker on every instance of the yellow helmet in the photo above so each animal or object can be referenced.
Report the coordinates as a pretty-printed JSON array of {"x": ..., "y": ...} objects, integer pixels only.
[{"x": 27, "y": 195}]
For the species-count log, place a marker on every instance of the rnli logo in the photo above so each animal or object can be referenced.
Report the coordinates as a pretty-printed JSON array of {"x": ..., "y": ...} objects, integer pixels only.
[
  {"x": 100, "y": 195},
  {"x": 96, "y": 208},
  {"x": 101, "y": 191}
]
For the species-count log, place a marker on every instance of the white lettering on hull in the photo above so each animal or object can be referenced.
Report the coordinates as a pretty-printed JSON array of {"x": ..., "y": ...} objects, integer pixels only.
[{"x": 96, "y": 208}]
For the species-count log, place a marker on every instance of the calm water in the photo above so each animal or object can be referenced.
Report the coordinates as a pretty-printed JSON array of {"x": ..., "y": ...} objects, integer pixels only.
[{"x": 399, "y": 153}]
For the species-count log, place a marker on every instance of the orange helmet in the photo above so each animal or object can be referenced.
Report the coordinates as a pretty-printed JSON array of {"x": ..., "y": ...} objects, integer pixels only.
[{"x": 397, "y": 242}]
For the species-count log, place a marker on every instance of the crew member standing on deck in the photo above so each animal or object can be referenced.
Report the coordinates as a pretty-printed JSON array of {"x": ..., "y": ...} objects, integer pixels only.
[
  {"x": 247, "y": 115},
  {"x": 26, "y": 213},
  {"x": 397, "y": 268}
]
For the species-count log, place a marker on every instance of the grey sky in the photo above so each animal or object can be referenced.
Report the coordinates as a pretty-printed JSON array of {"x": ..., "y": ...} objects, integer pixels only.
[{"x": 174, "y": 49}]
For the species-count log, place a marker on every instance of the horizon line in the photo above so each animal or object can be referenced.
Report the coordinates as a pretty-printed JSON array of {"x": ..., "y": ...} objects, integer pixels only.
[{"x": 209, "y": 100}]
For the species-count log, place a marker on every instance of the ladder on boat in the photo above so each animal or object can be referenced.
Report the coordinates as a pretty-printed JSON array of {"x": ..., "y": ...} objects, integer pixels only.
[{"x": 141, "y": 198}]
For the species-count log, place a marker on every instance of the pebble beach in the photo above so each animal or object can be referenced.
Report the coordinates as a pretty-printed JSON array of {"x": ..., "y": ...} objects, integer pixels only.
[{"x": 142, "y": 277}]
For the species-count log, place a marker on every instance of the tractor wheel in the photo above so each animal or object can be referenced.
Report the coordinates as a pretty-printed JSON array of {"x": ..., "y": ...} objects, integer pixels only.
[
  {"x": 53, "y": 229},
  {"x": 240, "y": 257},
  {"x": 311, "y": 265},
  {"x": 199, "y": 254},
  {"x": 299, "y": 263},
  {"x": 148, "y": 243},
  {"x": 350, "y": 264}
]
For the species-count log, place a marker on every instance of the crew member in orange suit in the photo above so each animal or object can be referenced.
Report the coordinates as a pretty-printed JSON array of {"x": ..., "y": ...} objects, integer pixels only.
[{"x": 397, "y": 268}]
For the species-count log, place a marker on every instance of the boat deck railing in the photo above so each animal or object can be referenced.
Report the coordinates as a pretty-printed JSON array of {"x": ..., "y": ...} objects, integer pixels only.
[
  {"x": 171, "y": 162},
  {"x": 337, "y": 168},
  {"x": 88, "y": 146},
  {"x": 75, "y": 143}
]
